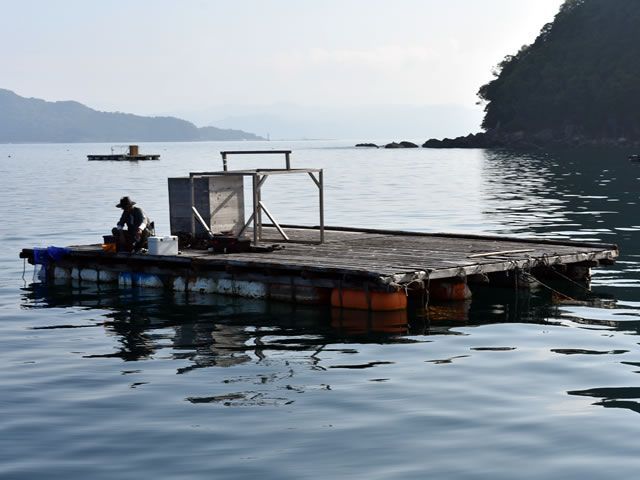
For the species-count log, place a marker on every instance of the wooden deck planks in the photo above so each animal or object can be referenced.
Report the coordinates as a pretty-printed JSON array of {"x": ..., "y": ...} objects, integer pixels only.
[
  {"x": 395, "y": 254},
  {"x": 394, "y": 258}
]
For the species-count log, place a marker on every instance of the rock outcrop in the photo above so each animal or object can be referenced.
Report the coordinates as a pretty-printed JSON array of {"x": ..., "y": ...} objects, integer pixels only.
[{"x": 403, "y": 144}]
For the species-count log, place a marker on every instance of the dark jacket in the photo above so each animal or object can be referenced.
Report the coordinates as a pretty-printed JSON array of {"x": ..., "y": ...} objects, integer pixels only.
[{"x": 134, "y": 219}]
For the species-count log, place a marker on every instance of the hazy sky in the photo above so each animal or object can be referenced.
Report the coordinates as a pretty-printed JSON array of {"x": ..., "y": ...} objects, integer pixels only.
[{"x": 154, "y": 56}]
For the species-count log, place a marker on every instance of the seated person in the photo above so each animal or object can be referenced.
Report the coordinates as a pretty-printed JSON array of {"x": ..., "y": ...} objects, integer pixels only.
[{"x": 139, "y": 227}]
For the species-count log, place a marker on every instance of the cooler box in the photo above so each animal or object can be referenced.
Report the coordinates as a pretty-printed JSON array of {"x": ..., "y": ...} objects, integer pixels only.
[{"x": 163, "y": 245}]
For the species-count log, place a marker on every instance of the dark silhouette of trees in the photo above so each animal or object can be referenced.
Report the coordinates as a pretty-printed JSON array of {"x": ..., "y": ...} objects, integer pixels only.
[{"x": 580, "y": 77}]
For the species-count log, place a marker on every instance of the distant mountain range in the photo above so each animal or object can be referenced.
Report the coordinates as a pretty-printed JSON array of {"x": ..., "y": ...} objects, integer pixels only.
[
  {"x": 374, "y": 122},
  {"x": 32, "y": 120}
]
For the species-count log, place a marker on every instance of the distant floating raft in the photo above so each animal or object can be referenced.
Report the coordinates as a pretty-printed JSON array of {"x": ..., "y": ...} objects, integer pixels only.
[
  {"x": 124, "y": 157},
  {"x": 132, "y": 155}
]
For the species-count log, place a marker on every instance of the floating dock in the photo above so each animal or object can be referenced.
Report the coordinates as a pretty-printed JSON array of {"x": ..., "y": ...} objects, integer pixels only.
[
  {"x": 223, "y": 252},
  {"x": 133, "y": 154},
  {"x": 373, "y": 262}
]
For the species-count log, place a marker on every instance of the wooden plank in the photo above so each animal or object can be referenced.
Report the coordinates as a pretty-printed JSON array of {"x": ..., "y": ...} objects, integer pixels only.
[{"x": 453, "y": 236}]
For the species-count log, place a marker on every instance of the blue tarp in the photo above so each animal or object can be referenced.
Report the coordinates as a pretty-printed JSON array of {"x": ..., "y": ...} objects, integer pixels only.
[{"x": 43, "y": 256}]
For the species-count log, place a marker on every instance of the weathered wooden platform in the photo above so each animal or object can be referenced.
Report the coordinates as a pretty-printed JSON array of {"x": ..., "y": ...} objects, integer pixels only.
[
  {"x": 402, "y": 257},
  {"x": 372, "y": 260}
]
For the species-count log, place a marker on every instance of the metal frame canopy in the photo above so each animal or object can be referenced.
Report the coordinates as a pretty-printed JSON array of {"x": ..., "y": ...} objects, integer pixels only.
[{"x": 259, "y": 177}]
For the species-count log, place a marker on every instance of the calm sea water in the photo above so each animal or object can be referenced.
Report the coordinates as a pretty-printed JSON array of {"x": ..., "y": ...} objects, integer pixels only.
[{"x": 107, "y": 383}]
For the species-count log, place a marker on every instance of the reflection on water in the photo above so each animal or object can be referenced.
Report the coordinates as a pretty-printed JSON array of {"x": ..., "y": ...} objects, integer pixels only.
[
  {"x": 206, "y": 386},
  {"x": 211, "y": 330},
  {"x": 584, "y": 195},
  {"x": 199, "y": 331},
  {"x": 611, "y": 397},
  {"x": 555, "y": 195},
  {"x": 521, "y": 195}
]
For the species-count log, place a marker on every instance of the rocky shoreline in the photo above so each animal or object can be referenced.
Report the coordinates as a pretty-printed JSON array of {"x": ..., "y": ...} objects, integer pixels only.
[
  {"x": 514, "y": 140},
  {"x": 520, "y": 140}
]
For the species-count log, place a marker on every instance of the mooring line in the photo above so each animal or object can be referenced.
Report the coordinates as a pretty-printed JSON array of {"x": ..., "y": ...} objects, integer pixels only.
[
  {"x": 586, "y": 289},
  {"x": 549, "y": 288}
]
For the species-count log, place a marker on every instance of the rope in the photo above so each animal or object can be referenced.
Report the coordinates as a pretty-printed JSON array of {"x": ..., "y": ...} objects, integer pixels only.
[
  {"x": 516, "y": 269},
  {"x": 544, "y": 260},
  {"x": 586, "y": 289},
  {"x": 406, "y": 286},
  {"x": 549, "y": 288},
  {"x": 425, "y": 300},
  {"x": 426, "y": 303}
]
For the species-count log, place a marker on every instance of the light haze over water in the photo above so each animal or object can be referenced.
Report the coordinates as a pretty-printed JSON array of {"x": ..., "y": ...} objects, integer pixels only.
[{"x": 284, "y": 68}]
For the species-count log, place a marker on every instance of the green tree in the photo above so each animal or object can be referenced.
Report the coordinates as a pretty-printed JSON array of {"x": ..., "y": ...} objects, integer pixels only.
[{"x": 579, "y": 77}]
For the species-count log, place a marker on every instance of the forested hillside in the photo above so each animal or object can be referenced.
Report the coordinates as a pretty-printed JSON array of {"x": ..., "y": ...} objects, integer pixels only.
[
  {"x": 31, "y": 120},
  {"x": 579, "y": 80}
]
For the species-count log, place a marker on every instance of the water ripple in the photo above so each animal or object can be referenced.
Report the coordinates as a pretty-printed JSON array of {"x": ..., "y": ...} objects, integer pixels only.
[{"x": 109, "y": 383}]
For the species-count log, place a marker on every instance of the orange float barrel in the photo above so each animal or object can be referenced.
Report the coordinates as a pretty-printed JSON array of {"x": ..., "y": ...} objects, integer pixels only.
[{"x": 365, "y": 300}]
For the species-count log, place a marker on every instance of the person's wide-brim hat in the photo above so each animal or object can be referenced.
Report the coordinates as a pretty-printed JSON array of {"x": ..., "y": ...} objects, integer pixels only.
[{"x": 125, "y": 202}]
